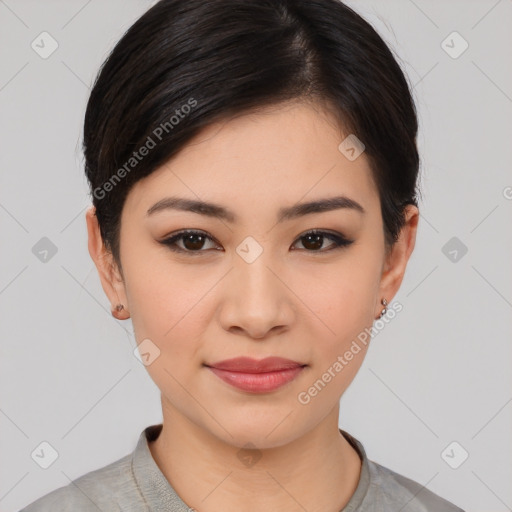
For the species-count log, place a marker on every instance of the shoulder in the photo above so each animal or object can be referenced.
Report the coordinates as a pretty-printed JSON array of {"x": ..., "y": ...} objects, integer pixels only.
[
  {"x": 102, "y": 489},
  {"x": 390, "y": 489}
]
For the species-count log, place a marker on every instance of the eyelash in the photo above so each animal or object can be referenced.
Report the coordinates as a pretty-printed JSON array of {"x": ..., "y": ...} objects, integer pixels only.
[{"x": 340, "y": 242}]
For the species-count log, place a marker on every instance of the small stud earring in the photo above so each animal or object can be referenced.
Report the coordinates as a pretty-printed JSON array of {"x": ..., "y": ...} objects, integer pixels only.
[
  {"x": 384, "y": 302},
  {"x": 117, "y": 310}
]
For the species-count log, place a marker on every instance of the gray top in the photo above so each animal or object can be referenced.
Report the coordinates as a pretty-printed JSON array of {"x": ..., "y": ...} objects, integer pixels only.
[{"x": 135, "y": 483}]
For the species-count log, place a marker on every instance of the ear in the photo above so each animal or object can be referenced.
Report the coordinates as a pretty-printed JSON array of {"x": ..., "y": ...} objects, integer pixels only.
[
  {"x": 396, "y": 260},
  {"x": 110, "y": 275}
]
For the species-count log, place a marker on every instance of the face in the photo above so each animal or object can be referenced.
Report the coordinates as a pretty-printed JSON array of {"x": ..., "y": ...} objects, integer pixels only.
[{"x": 263, "y": 279}]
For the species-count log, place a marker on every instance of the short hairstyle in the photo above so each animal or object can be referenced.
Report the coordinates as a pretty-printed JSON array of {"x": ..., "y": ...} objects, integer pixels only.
[{"x": 185, "y": 64}]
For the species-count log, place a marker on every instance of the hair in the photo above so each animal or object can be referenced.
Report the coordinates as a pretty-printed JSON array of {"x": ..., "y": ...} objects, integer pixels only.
[{"x": 186, "y": 64}]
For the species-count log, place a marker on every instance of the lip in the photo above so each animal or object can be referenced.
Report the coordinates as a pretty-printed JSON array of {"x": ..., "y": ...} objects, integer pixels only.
[
  {"x": 249, "y": 365},
  {"x": 257, "y": 376}
]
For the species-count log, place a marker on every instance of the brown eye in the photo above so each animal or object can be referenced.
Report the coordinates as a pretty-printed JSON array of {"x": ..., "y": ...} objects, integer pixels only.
[
  {"x": 192, "y": 242},
  {"x": 314, "y": 240}
]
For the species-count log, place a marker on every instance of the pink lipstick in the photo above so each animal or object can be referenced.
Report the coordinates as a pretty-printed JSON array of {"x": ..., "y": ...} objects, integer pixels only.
[{"x": 257, "y": 376}]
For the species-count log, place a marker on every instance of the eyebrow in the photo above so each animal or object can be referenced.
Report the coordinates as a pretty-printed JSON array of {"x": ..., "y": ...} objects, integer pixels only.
[{"x": 285, "y": 213}]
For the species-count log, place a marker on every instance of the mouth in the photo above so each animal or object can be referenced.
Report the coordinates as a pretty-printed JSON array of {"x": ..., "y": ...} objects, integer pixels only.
[{"x": 257, "y": 376}]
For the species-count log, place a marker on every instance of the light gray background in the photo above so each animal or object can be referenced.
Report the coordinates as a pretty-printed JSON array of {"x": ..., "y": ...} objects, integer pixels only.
[{"x": 439, "y": 372}]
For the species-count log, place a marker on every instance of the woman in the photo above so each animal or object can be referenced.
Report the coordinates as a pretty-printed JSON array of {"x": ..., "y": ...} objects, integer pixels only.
[{"x": 253, "y": 168}]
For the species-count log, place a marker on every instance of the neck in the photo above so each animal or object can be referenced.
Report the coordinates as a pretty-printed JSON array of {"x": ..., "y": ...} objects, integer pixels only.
[{"x": 316, "y": 472}]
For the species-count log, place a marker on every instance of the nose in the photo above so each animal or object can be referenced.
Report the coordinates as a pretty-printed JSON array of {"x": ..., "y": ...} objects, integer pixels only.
[{"x": 256, "y": 300}]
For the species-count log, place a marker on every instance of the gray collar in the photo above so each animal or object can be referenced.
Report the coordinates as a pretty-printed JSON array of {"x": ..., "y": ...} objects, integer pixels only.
[{"x": 159, "y": 495}]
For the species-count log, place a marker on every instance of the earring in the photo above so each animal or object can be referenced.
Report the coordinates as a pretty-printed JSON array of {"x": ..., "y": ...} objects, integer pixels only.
[
  {"x": 117, "y": 311},
  {"x": 384, "y": 302}
]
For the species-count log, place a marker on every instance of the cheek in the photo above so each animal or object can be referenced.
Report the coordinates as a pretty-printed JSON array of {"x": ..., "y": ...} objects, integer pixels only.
[
  {"x": 165, "y": 311},
  {"x": 341, "y": 297},
  {"x": 167, "y": 305}
]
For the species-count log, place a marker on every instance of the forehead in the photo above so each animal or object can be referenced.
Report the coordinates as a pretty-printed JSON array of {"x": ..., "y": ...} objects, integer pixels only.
[{"x": 285, "y": 154}]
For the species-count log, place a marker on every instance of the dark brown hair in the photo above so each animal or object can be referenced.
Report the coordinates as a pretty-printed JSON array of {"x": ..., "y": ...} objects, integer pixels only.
[{"x": 188, "y": 63}]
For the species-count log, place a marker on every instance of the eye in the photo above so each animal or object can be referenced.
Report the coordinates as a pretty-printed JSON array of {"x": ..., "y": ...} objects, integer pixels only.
[
  {"x": 314, "y": 240},
  {"x": 193, "y": 242}
]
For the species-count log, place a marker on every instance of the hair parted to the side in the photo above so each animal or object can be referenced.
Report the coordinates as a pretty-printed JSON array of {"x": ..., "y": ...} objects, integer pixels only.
[{"x": 185, "y": 64}]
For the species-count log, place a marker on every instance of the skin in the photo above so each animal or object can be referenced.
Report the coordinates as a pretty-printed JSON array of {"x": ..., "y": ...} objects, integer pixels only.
[{"x": 293, "y": 301}]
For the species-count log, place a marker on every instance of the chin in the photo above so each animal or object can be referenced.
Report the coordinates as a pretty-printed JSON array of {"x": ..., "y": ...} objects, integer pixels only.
[{"x": 262, "y": 432}]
